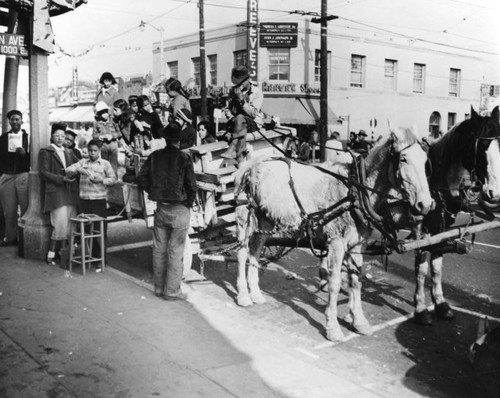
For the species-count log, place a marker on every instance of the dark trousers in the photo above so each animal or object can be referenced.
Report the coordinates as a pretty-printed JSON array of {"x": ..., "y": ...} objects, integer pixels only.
[{"x": 97, "y": 207}]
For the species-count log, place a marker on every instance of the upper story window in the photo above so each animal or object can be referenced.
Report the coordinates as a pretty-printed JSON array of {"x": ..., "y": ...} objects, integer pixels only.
[
  {"x": 358, "y": 70},
  {"x": 173, "y": 67},
  {"x": 196, "y": 70},
  {"x": 212, "y": 69},
  {"x": 279, "y": 63},
  {"x": 317, "y": 64},
  {"x": 240, "y": 58},
  {"x": 454, "y": 90},
  {"x": 390, "y": 74},
  {"x": 418, "y": 78}
]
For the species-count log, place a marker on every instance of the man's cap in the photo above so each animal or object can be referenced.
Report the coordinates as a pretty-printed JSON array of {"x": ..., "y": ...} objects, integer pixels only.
[
  {"x": 239, "y": 74},
  {"x": 336, "y": 134},
  {"x": 363, "y": 132},
  {"x": 14, "y": 112},
  {"x": 101, "y": 106},
  {"x": 185, "y": 114},
  {"x": 71, "y": 132},
  {"x": 132, "y": 98},
  {"x": 172, "y": 132}
]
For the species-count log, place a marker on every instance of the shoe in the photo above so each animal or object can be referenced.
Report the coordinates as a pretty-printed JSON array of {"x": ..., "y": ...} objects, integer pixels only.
[
  {"x": 50, "y": 261},
  {"x": 98, "y": 269},
  {"x": 158, "y": 293},
  {"x": 180, "y": 296}
]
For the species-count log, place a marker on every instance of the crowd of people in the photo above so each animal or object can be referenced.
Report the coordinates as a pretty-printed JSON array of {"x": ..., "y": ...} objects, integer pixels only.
[{"x": 76, "y": 171}]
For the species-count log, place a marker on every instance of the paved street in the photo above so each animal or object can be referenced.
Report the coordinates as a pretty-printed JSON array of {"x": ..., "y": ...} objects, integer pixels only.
[{"x": 107, "y": 335}]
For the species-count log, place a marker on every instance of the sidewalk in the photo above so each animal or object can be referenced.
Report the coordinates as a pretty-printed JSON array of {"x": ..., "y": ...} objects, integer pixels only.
[{"x": 102, "y": 335}]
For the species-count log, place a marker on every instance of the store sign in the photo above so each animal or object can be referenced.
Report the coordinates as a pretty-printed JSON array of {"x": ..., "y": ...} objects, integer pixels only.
[
  {"x": 282, "y": 34},
  {"x": 290, "y": 88},
  {"x": 13, "y": 45},
  {"x": 252, "y": 38}
]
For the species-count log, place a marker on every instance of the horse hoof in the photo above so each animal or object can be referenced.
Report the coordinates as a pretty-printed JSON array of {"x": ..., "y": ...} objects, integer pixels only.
[
  {"x": 349, "y": 318},
  {"x": 244, "y": 301},
  {"x": 363, "y": 329},
  {"x": 423, "y": 318},
  {"x": 257, "y": 298},
  {"x": 334, "y": 335},
  {"x": 444, "y": 311}
]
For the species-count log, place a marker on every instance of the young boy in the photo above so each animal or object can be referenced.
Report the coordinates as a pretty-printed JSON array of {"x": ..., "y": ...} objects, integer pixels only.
[
  {"x": 95, "y": 175},
  {"x": 107, "y": 132}
]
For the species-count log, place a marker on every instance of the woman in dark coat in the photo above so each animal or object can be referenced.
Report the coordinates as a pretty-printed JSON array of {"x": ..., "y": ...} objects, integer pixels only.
[{"x": 59, "y": 193}]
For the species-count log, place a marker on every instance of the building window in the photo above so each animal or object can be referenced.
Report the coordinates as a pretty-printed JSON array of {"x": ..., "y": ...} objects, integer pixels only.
[
  {"x": 173, "y": 67},
  {"x": 212, "y": 69},
  {"x": 452, "y": 119},
  {"x": 196, "y": 70},
  {"x": 390, "y": 74},
  {"x": 317, "y": 64},
  {"x": 357, "y": 70},
  {"x": 279, "y": 63},
  {"x": 418, "y": 78},
  {"x": 240, "y": 58},
  {"x": 434, "y": 124},
  {"x": 454, "y": 82}
]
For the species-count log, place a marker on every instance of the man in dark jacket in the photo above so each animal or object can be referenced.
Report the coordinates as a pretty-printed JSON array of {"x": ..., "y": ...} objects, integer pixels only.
[
  {"x": 14, "y": 168},
  {"x": 168, "y": 177}
]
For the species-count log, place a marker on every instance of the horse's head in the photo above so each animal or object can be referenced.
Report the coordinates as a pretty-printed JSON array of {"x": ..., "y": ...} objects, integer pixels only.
[
  {"x": 486, "y": 152},
  {"x": 409, "y": 166}
]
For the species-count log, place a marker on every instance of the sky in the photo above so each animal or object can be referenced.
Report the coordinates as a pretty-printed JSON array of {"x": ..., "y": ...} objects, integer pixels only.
[{"x": 104, "y": 35}]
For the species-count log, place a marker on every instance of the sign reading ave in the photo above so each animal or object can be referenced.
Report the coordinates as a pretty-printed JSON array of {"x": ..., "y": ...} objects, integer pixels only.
[{"x": 13, "y": 45}]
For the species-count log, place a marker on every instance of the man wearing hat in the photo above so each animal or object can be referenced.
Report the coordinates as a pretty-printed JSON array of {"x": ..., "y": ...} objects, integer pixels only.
[
  {"x": 188, "y": 136},
  {"x": 14, "y": 168},
  {"x": 168, "y": 177},
  {"x": 243, "y": 111},
  {"x": 70, "y": 143},
  {"x": 363, "y": 146}
]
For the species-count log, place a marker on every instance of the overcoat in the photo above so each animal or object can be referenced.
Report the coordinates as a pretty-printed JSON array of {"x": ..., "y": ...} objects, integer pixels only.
[{"x": 55, "y": 191}]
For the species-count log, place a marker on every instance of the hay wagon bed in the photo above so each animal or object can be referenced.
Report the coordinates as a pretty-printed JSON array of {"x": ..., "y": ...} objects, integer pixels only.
[{"x": 212, "y": 218}]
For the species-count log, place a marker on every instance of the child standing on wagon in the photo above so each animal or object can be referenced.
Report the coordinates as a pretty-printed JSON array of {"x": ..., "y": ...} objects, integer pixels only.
[
  {"x": 106, "y": 131},
  {"x": 95, "y": 175}
]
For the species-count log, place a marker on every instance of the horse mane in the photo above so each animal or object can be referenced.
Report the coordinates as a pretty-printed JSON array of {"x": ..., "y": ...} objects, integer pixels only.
[{"x": 378, "y": 154}]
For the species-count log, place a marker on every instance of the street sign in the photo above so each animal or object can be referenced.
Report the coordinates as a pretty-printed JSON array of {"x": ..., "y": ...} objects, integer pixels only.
[
  {"x": 13, "y": 45},
  {"x": 278, "y": 34}
]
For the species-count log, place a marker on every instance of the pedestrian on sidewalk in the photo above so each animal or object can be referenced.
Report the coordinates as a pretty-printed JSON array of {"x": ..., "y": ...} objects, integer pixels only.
[
  {"x": 95, "y": 175},
  {"x": 14, "y": 168},
  {"x": 168, "y": 177},
  {"x": 59, "y": 192}
]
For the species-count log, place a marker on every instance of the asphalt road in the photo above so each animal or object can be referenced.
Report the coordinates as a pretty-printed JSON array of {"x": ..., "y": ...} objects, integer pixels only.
[{"x": 429, "y": 361}]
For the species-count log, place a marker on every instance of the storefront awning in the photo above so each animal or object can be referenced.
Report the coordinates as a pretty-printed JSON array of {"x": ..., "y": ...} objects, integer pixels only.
[
  {"x": 81, "y": 113},
  {"x": 295, "y": 110}
]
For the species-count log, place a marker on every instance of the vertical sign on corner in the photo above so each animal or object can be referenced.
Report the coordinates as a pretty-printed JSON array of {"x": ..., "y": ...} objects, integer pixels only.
[
  {"x": 74, "y": 84},
  {"x": 253, "y": 38}
]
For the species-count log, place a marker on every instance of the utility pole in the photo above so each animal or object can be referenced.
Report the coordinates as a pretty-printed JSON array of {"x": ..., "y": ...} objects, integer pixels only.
[
  {"x": 323, "y": 122},
  {"x": 203, "y": 68},
  {"x": 11, "y": 74}
]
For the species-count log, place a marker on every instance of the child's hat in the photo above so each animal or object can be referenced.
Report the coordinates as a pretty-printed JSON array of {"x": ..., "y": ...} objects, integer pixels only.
[{"x": 101, "y": 106}]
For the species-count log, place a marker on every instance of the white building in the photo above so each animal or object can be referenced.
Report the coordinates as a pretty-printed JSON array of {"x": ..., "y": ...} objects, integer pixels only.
[{"x": 371, "y": 78}]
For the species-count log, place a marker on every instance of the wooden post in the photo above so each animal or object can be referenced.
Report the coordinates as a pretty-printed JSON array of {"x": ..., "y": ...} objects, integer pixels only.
[
  {"x": 323, "y": 124},
  {"x": 203, "y": 67},
  {"x": 34, "y": 226}
]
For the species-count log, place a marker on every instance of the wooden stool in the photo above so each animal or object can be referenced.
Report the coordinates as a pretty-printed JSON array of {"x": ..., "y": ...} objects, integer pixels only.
[{"x": 78, "y": 225}]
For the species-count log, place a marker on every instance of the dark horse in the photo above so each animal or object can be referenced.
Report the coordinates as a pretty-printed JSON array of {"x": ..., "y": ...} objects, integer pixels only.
[{"x": 469, "y": 147}]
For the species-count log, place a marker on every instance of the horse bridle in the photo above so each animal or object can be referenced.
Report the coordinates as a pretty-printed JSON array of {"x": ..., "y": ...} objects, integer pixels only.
[{"x": 473, "y": 173}]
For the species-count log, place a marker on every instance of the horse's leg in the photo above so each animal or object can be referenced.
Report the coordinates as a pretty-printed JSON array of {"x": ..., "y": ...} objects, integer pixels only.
[
  {"x": 255, "y": 249},
  {"x": 441, "y": 307},
  {"x": 422, "y": 315},
  {"x": 323, "y": 272},
  {"x": 336, "y": 255},
  {"x": 356, "y": 315},
  {"x": 243, "y": 298}
]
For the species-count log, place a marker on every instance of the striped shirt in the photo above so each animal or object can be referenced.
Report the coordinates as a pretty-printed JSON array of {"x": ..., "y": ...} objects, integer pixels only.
[{"x": 88, "y": 170}]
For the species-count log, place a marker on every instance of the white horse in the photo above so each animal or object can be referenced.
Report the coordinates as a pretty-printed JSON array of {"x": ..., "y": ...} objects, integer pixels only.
[{"x": 397, "y": 162}]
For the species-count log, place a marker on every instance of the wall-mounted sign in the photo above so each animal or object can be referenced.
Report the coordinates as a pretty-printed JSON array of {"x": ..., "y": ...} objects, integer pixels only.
[
  {"x": 278, "y": 34},
  {"x": 252, "y": 38},
  {"x": 290, "y": 88},
  {"x": 13, "y": 45}
]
